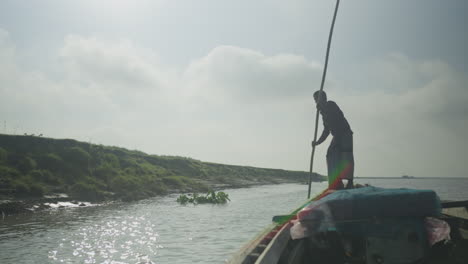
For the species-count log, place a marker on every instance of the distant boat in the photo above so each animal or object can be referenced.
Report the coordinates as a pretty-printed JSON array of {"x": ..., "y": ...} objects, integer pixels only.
[{"x": 407, "y": 177}]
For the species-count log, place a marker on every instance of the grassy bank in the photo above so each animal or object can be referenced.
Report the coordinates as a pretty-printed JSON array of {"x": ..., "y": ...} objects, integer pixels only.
[{"x": 33, "y": 166}]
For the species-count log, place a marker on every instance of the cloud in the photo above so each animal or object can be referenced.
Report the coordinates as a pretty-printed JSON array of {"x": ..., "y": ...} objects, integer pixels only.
[
  {"x": 118, "y": 69},
  {"x": 414, "y": 122},
  {"x": 20, "y": 91},
  {"x": 241, "y": 106},
  {"x": 239, "y": 74},
  {"x": 114, "y": 65},
  {"x": 8, "y": 67},
  {"x": 428, "y": 89},
  {"x": 83, "y": 98},
  {"x": 7, "y": 49}
]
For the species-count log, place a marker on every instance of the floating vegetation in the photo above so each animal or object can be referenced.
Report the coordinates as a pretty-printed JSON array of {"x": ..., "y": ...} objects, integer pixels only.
[{"x": 211, "y": 197}]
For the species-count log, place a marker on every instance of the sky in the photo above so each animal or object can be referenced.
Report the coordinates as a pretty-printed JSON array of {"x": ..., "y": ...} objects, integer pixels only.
[{"x": 232, "y": 81}]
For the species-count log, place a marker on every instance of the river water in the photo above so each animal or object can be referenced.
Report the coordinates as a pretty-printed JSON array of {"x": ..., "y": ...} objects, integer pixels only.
[{"x": 159, "y": 230}]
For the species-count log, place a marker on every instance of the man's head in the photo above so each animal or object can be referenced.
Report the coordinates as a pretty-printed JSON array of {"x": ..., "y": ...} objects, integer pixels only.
[{"x": 320, "y": 97}]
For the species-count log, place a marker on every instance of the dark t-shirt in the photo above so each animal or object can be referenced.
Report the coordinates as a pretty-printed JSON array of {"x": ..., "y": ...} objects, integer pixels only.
[{"x": 334, "y": 120}]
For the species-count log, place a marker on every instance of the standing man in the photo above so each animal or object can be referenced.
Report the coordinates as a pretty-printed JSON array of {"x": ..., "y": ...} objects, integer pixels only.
[{"x": 340, "y": 159}]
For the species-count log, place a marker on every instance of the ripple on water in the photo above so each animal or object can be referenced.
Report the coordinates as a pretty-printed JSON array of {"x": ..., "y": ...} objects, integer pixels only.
[
  {"x": 158, "y": 230},
  {"x": 131, "y": 239}
]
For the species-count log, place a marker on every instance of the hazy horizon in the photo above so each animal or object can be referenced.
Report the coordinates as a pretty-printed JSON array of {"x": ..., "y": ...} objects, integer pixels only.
[{"x": 232, "y": 82}]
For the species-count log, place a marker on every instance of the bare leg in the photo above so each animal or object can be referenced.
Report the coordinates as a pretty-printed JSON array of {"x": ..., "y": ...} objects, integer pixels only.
[{"x": 350, "y": 184}]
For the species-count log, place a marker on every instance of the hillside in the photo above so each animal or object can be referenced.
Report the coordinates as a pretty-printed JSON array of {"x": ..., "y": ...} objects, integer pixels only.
[{"x": 33, "y": 166}]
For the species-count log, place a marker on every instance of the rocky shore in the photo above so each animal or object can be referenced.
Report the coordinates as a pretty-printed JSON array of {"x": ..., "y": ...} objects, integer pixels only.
[
  {"x": 19, "y": 206},
  {"x": 34, "y": 169},
  {"x": 12, "y": 206}
]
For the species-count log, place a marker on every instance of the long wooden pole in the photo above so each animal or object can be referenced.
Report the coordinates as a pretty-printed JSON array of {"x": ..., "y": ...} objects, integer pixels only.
[{"x": 321, "y": 89}]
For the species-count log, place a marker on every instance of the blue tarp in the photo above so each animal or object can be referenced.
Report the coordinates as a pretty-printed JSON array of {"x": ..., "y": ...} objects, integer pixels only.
[
  {"x": 368, "y": 210},
  {"x": 372, "y": 201}
]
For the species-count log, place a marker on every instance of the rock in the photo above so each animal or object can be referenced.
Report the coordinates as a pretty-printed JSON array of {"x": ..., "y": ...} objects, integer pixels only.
[
  {"x": 9, "y": 208},
  {"x": 44, "y": 206}
]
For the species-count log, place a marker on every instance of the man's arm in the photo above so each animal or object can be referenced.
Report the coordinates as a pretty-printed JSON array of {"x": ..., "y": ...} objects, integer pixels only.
[
  {"x": 325, "y": 133},
  {"x": 324, "y": 136}
]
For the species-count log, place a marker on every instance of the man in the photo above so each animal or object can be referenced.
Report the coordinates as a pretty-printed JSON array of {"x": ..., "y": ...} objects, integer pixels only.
[{"x": 340, "y": 159}]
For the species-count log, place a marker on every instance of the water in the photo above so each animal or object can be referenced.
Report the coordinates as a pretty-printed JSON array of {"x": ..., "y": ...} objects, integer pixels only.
[
  {"x": 447, "y": 189},
  {"x": 158, "y": 230}
]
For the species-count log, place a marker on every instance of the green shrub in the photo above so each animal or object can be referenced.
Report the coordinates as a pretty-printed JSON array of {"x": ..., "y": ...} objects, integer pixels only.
[
  {"x": 105, "y": 173},
  {"x": 36, "y": 175},
  {"x": 3, "y": 156},
  {"x": 7, "y": 172},
  {"x": 221, "y": 179},
  {"x": 111, "y": 160},
  {"x": 50, "y": 178},
  {"x": 174, "y": 181},
  {"x": 210, "y": 197},
  {"x": 156, "y": 186},
  {"x": 184, "y": 199},
  {"x": 124, "y": 184},
  {"x": 6, "y": 185},
  {"x": 87, "y": 192},
  {"x": 51, "y": 162},
  {"x": 77, "y": 156},
  {"x": 98, "y": 183},
  {"x": 44, "y": 176},
  {"x": 21, "y": 189},
  {"x": 36, "y": 190},
  {"x": 26, "y": 164},
  {"x": 128, "y": 162}
]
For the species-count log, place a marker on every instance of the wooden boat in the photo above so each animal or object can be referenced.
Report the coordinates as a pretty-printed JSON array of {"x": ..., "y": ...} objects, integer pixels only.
[{"x": 275, "y": 245}]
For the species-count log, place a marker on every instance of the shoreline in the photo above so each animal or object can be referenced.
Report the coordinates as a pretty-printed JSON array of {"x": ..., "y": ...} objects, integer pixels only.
[
  {"x": 31, "y": 167},
  {"x": 15, "y": 206}
]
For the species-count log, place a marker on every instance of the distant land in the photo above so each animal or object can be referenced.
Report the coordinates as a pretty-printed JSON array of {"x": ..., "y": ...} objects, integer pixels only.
[{"x": 34, "y": 166}]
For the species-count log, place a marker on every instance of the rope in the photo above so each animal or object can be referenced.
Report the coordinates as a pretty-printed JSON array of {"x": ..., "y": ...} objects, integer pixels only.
[{"x": 321, "y": 89}]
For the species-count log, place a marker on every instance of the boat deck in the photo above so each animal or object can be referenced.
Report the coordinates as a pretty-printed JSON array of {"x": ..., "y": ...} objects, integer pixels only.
[{"x": 275, "y": 245}]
